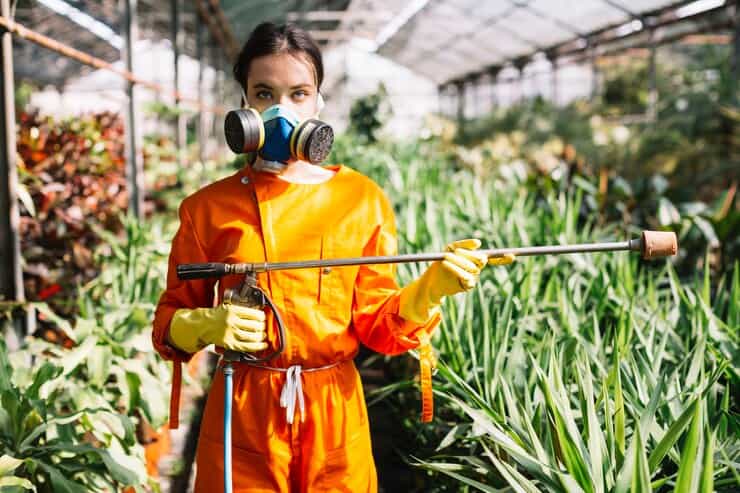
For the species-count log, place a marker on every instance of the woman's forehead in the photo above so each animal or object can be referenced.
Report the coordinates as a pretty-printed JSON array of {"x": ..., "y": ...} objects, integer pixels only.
[{"x": 282, "y": 70}]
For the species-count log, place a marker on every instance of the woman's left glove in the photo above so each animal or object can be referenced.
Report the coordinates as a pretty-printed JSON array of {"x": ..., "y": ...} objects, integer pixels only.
[{"x": 459, "y": 271}]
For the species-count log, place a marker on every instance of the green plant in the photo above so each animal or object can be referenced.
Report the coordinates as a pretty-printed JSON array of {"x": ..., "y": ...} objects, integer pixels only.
[
  {"x": 559, "y": 373},
  {"x": 368, "y": 114},
  {"x": 46, "y": 448}
]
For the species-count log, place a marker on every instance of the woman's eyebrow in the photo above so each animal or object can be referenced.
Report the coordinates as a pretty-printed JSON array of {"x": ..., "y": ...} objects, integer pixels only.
[{"x": 262, "y": 85}]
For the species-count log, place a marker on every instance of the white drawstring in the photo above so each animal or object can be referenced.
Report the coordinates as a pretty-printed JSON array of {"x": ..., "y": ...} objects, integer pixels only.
[{"x": 292, "y": 389}]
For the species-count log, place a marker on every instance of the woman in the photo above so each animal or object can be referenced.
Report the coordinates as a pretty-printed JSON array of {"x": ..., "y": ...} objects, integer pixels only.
[{"x": 300, "y": 424}]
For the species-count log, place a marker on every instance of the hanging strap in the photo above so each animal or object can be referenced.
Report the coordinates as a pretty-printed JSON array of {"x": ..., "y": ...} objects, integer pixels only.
[
  {"x": 175, "y": 394},
  {"x": 427, "y": 363}
]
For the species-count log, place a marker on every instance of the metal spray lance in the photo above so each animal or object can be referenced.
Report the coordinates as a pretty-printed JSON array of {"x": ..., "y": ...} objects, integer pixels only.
[{"x": 650, "y": 244}]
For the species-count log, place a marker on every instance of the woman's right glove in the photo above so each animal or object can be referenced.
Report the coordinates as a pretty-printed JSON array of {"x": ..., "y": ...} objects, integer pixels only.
[
  {"x": 458, "y": 272},
  {"x": 229, "y": 326}
]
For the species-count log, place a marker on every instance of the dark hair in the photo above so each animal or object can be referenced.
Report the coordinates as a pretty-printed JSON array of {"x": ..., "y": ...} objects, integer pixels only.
[{"x": 271, "y": 39}]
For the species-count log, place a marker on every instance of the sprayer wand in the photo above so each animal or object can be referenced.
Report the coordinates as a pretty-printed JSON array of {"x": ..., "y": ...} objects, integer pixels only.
[{"x": 650, "y": 244}]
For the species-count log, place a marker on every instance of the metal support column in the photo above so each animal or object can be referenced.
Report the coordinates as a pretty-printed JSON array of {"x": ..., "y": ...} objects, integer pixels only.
[
  {"x": 11, "y": 275},
  {"x": 594, "y": 72},
  {"x": 519, "y": 64},
  {"x": 181, "y": 122},
  {"x": 652, "y": 108},
  {"x": 476, "y": 93},
  {"x": 214, "y": 94},
  {"x": 201, "y": 99},
  {"x": 736, "y": 53},
  {"x": 553, "y": 59},
  {"x": 134, "y": 164},
  {"x": 460, "y": 102},
  {"x": 493, "y": 74}
]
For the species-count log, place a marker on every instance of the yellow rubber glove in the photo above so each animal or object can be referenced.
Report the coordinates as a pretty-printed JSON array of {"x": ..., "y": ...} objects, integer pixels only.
[
  {"x": 458, "y": 272},
  {"x": 229, "y": 326}
]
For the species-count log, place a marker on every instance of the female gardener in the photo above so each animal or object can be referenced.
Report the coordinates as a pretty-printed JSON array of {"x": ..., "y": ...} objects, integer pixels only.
[{"x": 299, "y": 424}]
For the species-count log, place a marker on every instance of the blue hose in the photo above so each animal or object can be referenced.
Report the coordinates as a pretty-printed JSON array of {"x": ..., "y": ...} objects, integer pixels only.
[{"x": 228, "y": 390}]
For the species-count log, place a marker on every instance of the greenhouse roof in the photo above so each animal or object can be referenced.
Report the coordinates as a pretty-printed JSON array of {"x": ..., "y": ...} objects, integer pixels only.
[
  {"x": 449, "y": 40},
  {"x": 446, "y": 40},
  {"x": 94, "y": 27}
]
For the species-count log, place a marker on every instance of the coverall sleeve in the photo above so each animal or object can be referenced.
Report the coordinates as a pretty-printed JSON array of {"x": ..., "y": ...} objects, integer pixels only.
[
  {"x": 197, "y": 293},
  {"x": 376, "y": 296}
]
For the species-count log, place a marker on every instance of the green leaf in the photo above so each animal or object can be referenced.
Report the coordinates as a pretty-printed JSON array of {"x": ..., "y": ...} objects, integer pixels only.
[
  {"x": 619, "y": 426},
  {"x": 6, "y": 370},
  {"x": 448, "y": 469},
  {"x": 118, "y": 470},
  {"x": 690, "y": 467},
  {"x": 9, "y": 464},
  {"x": 48, "y": 372},
  {"x": 707, "y": 474},
  {"x": 564, "y": 426},
  {"x": 59, "y": 483},
  {"x": 641, "y": 475},
  {"x": 25, "y": 198},
  {"x": 10, "y": 484}
]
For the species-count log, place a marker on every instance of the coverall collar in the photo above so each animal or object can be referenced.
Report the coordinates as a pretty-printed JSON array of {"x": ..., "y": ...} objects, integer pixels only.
[{"x": 261, "y": 178}]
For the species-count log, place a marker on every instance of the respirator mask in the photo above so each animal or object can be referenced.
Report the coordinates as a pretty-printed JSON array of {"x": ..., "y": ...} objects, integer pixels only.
[{"x": 278, "y": 136}]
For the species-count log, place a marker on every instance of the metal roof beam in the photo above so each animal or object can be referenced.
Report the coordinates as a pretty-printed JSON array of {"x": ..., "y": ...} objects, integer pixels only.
[
  {"x": 490, "y": 21},
  {"x": 396, "y": 24},
  {"x": 562, "y": 24},
  {"x": 337, "y": 34},
  {"x": 338, "y": 15},
  {"x": 572, "y": 47}
]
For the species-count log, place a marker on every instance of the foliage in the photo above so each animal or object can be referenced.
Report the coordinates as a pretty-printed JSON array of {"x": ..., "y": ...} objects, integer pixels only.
[
  {"x": 102, "y": 376},
  {"x": 679, "y": 171},
  {"x": 23, "y": 92},
  {"x": 100, "y": 275},
  {"x": 49, "y": 448},
  {"x": 368, "y": 114},
  {"x": 71, "y": 177},
  {"x": 578, "y": 372}
]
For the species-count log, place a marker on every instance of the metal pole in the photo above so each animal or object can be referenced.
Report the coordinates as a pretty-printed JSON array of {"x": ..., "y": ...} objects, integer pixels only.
[
  {"x": 134, "y": 165},
  {"x": 520, "y": 63},
  {"x": 652, "y": 81},
  {"x": 736, "y": 53},
  {"x": 651, "y": 244},
  {"x": 177, "y": 41},
  {"x": 220, "y": 96},
  {"x": 494, "y": 86},
  {"x": 554, "y": 78},
  {"x": 476, "y": 92},
  {"x": 201, "y": 114},
  {"x": 460, "y": 102},
  {"x": 214, "y": 94},
  {"x": 594, "y": 73},
  {"x": 11, "y": 275}
]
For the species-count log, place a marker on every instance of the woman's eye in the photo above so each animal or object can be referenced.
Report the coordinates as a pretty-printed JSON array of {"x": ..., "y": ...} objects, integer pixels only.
[
  {"x": 300, "y": 94},
  {"x": 264, "y": 95}
]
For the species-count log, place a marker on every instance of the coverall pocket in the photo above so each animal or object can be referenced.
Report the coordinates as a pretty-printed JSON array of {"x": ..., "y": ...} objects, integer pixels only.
[
  {"x": 337, "y": 283},
  {"x": 349, "y": 469},
  {"x": 252, "y": 408},
  {"x": 252, "y": 472}
]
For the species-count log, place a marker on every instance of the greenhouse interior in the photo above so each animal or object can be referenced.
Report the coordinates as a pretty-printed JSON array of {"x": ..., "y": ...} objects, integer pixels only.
[{"x": 370, "y": 246}]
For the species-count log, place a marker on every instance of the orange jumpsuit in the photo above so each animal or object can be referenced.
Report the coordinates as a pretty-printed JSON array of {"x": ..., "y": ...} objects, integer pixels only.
[{"x": 327, "y": 313}]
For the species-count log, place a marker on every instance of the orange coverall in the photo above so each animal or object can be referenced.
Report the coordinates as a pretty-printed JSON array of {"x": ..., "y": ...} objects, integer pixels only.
[{"x": 327, "y": 313}]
